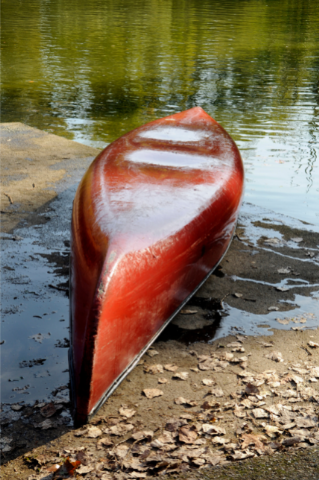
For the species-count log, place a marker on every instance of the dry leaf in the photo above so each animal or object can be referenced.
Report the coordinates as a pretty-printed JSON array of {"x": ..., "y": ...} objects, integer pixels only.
[
  {"x": 84, "y": 469},
  {"x": 181, "y": 375},
  {"x": 162, "y": 380},
  {"x": 234, "y": 345},
  {"x": 152, "y": 392},
  {"x": 272, "y": 431},
  {"x": 180, "y": 401},
  {"x": 171, "y": 368},
  {"x": 187, "y": 434},
  {"x": 251, "y": 439},
  {"x": 142, "y": 434},
  {"x": 126, "y": 412},
  {"x": 48, "y": 410},
  {"x": 93, "y": 432},
  {"x": 260, "y": 413},
  {"x": 152, "y": 353},
  {"x": 208, "y": 382},
  {"x": 213, "y": 429},
  {"x": 119, "y": 429},
  {"x": 217, "y": 392},
  {"x": 154, "y": 369},
  {"x": 275, "y": 356},
  {"x": 238, "y": 455},
  {"x": 104, "y": 442},
  {"x": 251, "y": 389},
  {"x": 283, "y": 321}
]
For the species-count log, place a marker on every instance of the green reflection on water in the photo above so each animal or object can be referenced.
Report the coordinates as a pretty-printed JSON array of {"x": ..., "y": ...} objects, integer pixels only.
[{"x": 93, "y": 70}]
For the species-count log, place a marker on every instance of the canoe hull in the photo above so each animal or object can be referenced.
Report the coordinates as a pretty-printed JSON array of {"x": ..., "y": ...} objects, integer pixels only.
[{"x": 147, "y": 230}]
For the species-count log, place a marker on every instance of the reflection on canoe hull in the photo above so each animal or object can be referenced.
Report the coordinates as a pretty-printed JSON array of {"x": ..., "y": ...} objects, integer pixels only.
[{"x": 152, "y": 218}]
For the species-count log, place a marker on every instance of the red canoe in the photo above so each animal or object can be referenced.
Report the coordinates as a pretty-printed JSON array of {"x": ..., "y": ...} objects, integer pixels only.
[{"x": 152, "y": 218}]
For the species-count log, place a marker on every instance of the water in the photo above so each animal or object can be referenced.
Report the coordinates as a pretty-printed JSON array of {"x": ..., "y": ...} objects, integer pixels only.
[{"x": 93, "y": 70}]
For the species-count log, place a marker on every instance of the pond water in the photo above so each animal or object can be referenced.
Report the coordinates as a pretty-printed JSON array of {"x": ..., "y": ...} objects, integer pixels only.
[{"x": 92, "y": 70}]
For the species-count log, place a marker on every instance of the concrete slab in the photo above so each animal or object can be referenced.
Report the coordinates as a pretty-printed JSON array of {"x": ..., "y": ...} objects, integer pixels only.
[{"x": 34, "y": 165}]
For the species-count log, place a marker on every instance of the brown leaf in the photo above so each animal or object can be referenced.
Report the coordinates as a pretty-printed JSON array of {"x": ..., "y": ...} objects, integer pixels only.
[
  {"x": 217, "y": 392},
  {"x": 170, "y": 367},
  {"x": 93, "y": 432},
  {"x": 213, "y": 429},
  {"x": 187, "y": 434},
  {"x": 152, "y": 392},
  {"x": 275, "y": 356},
  {"x": 84, "y": 469},
  {"x": 104, "y": 442},
  {"x": 251, "y": 389},
  {"x": 238, "y": 455},
  {"x": 48, "y": 410},
  {"x": 181, "y": 375},
  {"x": 142, "y": 434},
  {"x": 126, "y": 412},
  {"x": 260, "y": 413},
  {"x": 152, "y": 353},
  {"x": 154, "y": 369},
  {"x": 251, "y": 439},
  {"x": 119, "y": 429},
  {"x": 162, "y": 380}
]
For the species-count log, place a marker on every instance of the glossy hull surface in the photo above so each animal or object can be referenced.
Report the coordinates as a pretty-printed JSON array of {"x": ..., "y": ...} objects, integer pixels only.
[{"x": 152, "y": 217}]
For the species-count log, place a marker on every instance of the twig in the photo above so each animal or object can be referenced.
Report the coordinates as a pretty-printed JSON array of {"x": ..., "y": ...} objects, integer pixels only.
[{"x": 10, "y": 199}]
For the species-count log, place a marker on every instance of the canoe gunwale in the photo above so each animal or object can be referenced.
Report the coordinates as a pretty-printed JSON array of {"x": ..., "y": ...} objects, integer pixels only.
[{"x": 82, "y": 420}]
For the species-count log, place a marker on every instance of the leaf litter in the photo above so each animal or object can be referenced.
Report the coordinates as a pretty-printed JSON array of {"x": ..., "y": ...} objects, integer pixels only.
[{"x": 269, "y": 410}]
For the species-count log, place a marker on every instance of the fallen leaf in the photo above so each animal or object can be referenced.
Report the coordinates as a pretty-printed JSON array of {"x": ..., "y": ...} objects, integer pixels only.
[
  {"x": 93, "y": 432},
  {"x": 238, "y": 455},
  {"x": 48, "y": 410},
  {"x": 119, "y": 429},
  {"x": 251, "y": 389},
  {"x": 126, "y": 412},
  {"x": 162, "y": 380},
  {"x": 181, "y": 375},
  {"x": 213, "y": 429},
  {"x": 84, "y": 469},
  {"x": 142, "y": 434},
  {"x": 251, "y": 439},
  {"x": 283, "y": 321},
  {"x": 152, "y": 353},
  {"x": 272, "y": 431},
  {"x": 152, "y": 392},
  {"x": 208, "y": 382},
  {"x": 234, "y": 345},
  {"x": 154, "y": 369},
  {"x": 171, "y": 368},
  {"x": 187, "y": 434},
  {"x": 217, "y": 392},
  {"x": 275, "y": 356},
  {"x": 260, "y": 413},
  {"x": 104, "y": 442},
  {"x": 283, "y": 270}
]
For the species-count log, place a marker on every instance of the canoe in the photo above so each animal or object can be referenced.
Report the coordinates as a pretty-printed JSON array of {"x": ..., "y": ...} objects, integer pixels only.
[{"x": 152, "y": 217}]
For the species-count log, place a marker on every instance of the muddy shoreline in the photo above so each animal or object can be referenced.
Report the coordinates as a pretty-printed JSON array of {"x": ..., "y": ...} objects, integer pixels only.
[{"x": 265, "y": 291}]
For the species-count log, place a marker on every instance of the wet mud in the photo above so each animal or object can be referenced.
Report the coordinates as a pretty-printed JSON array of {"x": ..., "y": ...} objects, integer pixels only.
[{"x": 266, "y": 289}]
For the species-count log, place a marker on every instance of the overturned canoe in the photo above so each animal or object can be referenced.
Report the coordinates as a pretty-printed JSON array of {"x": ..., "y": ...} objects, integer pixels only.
[{"x": 152, "y": 218}]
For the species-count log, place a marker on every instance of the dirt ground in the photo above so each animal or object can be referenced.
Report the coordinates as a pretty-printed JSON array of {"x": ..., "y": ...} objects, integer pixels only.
[{"x": 233, "y": 379}]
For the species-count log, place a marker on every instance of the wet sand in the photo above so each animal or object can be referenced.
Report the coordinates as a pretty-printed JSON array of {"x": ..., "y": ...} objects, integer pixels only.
[{"x": 265, "y": 291}]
